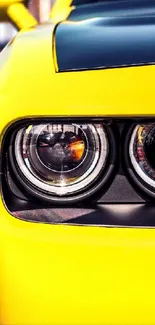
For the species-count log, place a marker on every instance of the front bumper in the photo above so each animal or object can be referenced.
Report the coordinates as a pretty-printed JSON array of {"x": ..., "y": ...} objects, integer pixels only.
[{"x": 63, "y": 274}]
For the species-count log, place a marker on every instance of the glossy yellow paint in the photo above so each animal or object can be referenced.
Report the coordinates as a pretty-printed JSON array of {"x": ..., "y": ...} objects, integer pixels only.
[
  {"x": 111, "y": 92},
  {"x": 72, "y": 274},
  {"x": 75, "y": 275}
]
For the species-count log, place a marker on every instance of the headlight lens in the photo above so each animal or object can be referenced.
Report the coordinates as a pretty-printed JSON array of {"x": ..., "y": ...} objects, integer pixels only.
[
  {"x": 142, "y": 153},
  {"x": 60, "y": 159}
]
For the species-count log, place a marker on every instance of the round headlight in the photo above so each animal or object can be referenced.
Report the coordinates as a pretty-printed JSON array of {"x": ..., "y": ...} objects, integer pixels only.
[
  {"x": 60, "y": 160},
  {"x": 142, "y": 154}
]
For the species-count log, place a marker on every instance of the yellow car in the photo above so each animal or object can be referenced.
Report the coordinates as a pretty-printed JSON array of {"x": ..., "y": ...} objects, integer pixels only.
[
  {"x": 14, "y": 15},
  {"x": 77, "y": 212}
]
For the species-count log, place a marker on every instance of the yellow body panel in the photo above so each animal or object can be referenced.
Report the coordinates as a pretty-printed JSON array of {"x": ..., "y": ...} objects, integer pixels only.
[
  {"x": 75, "y": 275},
  {"x": 72, "y": 274},
  {"x": 111, "y": 92}
]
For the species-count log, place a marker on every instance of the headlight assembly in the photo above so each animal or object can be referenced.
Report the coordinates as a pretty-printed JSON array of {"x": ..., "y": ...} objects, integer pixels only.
[
  {"x": 62, "y": 162},
  {"x": 142, "y": 156},
  {"x": 81, "y": 171}
]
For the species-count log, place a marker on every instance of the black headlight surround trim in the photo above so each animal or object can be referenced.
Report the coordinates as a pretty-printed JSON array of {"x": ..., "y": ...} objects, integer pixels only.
[
  {"x": 136, "y": 181},
  {"x": 105, "y": 178},
  {"x": 22, "y": 206}
]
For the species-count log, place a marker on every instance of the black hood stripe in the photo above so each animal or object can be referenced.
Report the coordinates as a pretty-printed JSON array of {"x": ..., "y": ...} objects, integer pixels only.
[{"x": 109, "y": 41}]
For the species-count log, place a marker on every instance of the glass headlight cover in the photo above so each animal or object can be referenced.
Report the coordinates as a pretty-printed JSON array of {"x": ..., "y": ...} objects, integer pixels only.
[
  {"x": 142, "y": 154},
  {"x": 60, "y": 160}
]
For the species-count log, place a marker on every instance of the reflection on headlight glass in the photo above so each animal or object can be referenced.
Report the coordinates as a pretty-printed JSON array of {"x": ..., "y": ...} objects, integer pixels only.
[
  {"x": 142, "y": 152},
  {"x": 61, "y": 158}
]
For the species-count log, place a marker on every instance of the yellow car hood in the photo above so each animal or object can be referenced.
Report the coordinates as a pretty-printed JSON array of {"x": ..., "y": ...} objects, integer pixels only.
[{"x": 30, "y": 86}]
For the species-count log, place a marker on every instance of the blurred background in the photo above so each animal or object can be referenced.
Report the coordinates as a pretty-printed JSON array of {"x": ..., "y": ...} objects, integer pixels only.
[{"x": 12, "y": 10}]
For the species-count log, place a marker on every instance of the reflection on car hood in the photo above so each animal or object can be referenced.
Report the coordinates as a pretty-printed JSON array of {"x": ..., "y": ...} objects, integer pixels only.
[{"x": 104, "y": 35}]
